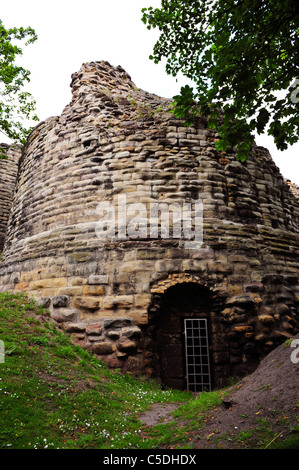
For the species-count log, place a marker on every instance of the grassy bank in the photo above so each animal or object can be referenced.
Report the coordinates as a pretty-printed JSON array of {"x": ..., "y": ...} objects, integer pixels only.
[{"x": 55, "y": 395}]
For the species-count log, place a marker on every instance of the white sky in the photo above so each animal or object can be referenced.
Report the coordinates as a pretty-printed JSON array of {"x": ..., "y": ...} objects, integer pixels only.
[{"x": 71, "y": 32}]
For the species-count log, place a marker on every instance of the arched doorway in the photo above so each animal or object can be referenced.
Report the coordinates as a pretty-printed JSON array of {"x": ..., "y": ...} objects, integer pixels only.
[{"x": 181, "y": 337}]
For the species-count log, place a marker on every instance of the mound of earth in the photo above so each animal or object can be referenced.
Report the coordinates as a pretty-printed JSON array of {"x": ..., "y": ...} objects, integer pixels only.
[{"x": 270, "y": 392}]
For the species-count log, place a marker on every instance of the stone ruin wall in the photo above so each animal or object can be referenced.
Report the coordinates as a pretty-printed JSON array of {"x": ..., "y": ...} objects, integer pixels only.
[
  {"x": 115, "y": 139},
  {"x": 8, "y": 176}
]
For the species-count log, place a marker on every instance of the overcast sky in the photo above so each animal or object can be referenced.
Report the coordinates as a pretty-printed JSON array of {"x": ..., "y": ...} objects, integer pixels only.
[{"x": 71, "y": 32}]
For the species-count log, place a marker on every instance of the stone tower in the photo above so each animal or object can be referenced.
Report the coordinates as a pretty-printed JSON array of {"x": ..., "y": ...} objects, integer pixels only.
[
  {"x": 158, "y": 253},
  {"x": 8, "y": 176}
]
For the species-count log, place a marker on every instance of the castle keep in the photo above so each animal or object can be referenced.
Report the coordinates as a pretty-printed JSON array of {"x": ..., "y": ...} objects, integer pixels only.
[{"x": 147, "y": 301}]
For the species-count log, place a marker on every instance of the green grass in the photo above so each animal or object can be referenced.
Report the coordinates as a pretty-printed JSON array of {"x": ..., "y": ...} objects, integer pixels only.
[{"x": 54, "y": 394}]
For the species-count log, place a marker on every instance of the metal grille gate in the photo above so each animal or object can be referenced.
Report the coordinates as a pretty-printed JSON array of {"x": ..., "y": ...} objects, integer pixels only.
[{"x": 197, "y": 355}]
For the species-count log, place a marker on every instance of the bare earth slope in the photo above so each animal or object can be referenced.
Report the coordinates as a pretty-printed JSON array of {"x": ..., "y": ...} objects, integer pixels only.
[
  {"x": 270, "y": 393},
  {"x": 267, "y": 397}
]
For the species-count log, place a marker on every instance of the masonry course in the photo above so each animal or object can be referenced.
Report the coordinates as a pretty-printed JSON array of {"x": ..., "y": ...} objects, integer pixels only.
[
  {"x": 8, "y": 176},
  {"x": 114, "y": 139}
]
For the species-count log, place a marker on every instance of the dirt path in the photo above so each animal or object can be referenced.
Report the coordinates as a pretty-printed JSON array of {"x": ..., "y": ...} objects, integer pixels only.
[{"x": 158, "y": 413}]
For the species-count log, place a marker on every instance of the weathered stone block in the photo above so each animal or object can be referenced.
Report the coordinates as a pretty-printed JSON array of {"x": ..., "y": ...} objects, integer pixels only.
[
  {"x": 77, "y": 281},
  {"x": 115, "y": 302},
  {"x": 113, "y": 361},
  {"x": 50, "y": 292},
  {"x": 281, "y": 335},
  {"x": 60, "y": 282},
  {"x": 243, "y": 328},
  {"x": 70, "y": 291},
  {"x": 93, "y": 290},
  {"x": 240, "y": 300},
  {"x": 102, "y": 347},
  {"x": 134, "y": 266},
  {"x": 193, "y": 265},
  {"x": 98, "y": 279},
  {"x": 218, "y": 267},
  {"x": 126, "y": 345},
  {"x": 283, "y": 309},
  {"x": 255, "y": 287},
  {"x": 130, "y": 332},
  {"x": 21, "y": 286},
  {"x": 168, "y": 266},
  {"x": 60, "y": 301},
  {"x": 41, "y": 284},
  {"x": 44, "y": 302},
  {"x": 203, "y": 253},
  {"x": 89, "y": 303},
  {"x": 142, "y": 301},
  {"x": 81, "y": 257},
  {"x": 94, "y": 329},
  {"x": 139, "y": 316},
  {"x": 74, "y": 327},
  {"x": 260, "y": 337},
  {"x": 113, "y": 334},
  {"x": 64, "y": 315},
  {"x": 288, "y": 326},
  {"x": 267, "y": 309},
  {"x": 116, "y": 323}
]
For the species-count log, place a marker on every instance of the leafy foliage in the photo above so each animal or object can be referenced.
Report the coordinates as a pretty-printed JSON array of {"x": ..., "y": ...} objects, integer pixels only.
[
  {"x": 15, "y": 103},
  {"x": 239, "y": 55}
]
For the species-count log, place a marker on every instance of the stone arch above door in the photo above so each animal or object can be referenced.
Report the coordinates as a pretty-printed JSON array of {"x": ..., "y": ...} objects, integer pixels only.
[{"x": 161, "y": 286}]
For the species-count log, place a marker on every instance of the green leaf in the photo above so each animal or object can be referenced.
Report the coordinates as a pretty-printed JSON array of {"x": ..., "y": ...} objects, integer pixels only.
[
  {"x": 237, "y": 54},
  {"x": 242, "y": 155},
  {"x": 14, "y": 100},
  {"x": 221, "y": 145}
]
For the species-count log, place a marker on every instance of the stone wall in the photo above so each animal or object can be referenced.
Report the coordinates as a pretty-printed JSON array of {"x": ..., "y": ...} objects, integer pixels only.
[
  {"x": 113, "y": 140},
  {"x": 8, "y": 176}
]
